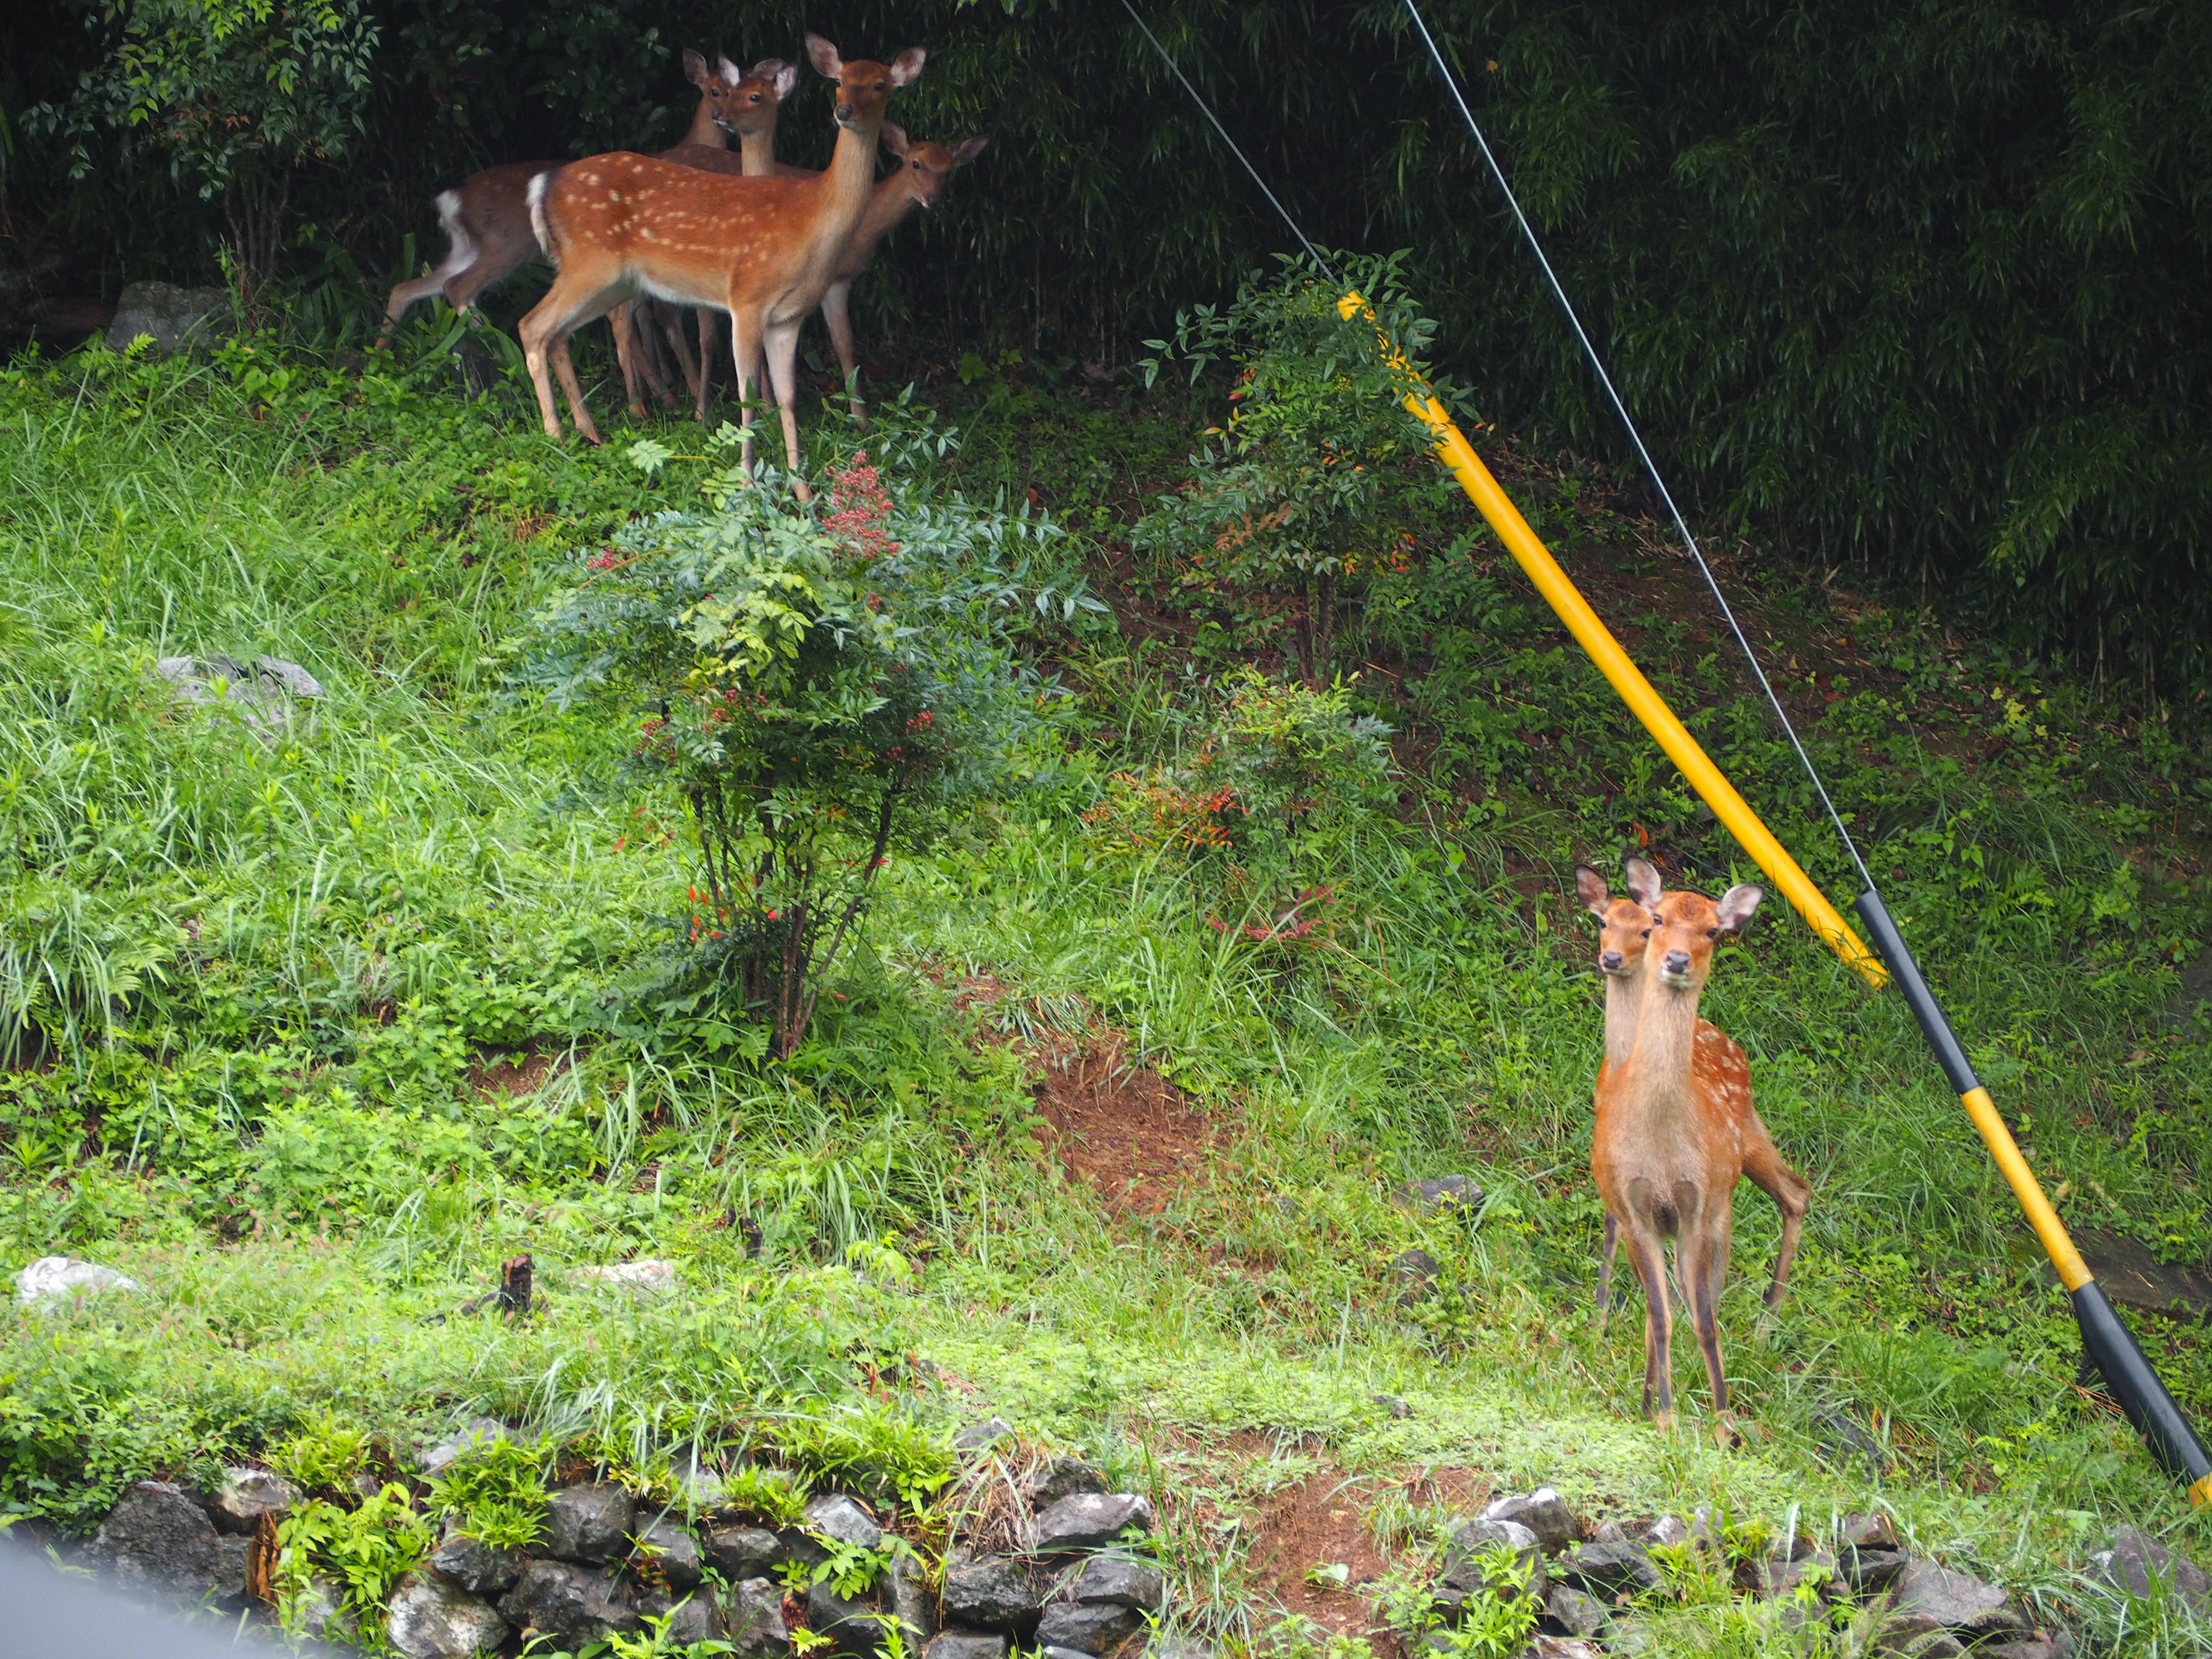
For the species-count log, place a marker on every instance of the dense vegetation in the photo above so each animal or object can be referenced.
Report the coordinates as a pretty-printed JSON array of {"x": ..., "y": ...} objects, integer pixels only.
[
  {"x": 1920, "y": 292},
  {"x": 314, "y": 1014}
]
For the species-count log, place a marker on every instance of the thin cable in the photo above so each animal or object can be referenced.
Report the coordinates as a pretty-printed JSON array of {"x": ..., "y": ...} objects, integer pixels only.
[
  {"x": 1636, "y": 437},
  {"x": 1204, "y": 109}
]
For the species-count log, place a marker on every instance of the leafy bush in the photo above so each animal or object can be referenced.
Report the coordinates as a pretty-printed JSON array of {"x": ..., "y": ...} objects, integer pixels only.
[
  {"x": 498, "y": 1490},
  {"x": 367, "y": 1549}
]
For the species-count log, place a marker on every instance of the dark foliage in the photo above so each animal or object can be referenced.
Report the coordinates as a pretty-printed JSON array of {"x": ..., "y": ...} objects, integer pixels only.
[{"x": 1922, "y": 288}]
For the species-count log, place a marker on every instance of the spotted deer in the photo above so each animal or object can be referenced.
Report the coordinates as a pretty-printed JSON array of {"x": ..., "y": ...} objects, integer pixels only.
[
  {"x": 765, "y": 250},
  {"x": 1625, "y": 925},
  {"x": 1671, "y": 1140}
]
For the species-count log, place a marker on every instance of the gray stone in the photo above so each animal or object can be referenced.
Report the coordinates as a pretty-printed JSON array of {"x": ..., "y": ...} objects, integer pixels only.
[
  {"x": 967, "y": 1645},
  {"x": 1117, "y": 1580},
  {"x": 1871, "y": 1569},
  {"x": 2044, "y": 1645},
  {"x": 2136, "y": 1563},
  {"x": 853, "y": 1626},
  {"x": 473, "y": 1564},
  {"x": 247, "y": 1495},
  {"x": 995, "y": 1591},
  {"x": 1914, "y": 1635},
  {"x": 752, "y": 1620},
  {"x": 1816, "y": 1567},
  {"x": 1609, "y": 1532},
  {"x": 589, "y": 1522},
  {"x": 472, "y": 1436},
  {"x": 1058, "y": 1478},
  {"x": 1087, "y": 1628},
  {"x": 574, "y": 1604},
  {"x": 980, "y": 1437},
  {"x": 1952, "y": 1601},
  {"x": 1089, "y": 1519},
  {"x": 842, "y": 1520},
  {"x": 741, "y": 1552},
  {"x": 64, "y": 1279},
  {"x": 1865, "y": 1531},
  {"x": 646, "y": 1278},
  {"x": 431, "y": 1618},
  {"x": 1670, "y": 1530},
  {"x": 321, "y": 1612},
  {"x": 1443, "y": 1192},
  {"x": 2128, "y": 1272},
  {"x": 1062, "y": 1653},
  {"x": 1179, "y": 1647},
  {"x": 176, "y": 318},
  {"x": 156, "y": 1539},
  {"x": 667, "y": 1549},
  {"x": 1398, "y": 1408},
  {"x": 1543, "y": 1646},
  {"x": 692, "y": 1615},
  {"x": 262, "y": 694},
  {"x": 1417, "y": 1269},
  {"x": 906, "y": 1592},
  {"x": 1470, "y": 1539},
  {"x": 1543, "y": 1512},
  {"x": 1574, "y": 1612},
  {"x": 1610, "y": 1568}
]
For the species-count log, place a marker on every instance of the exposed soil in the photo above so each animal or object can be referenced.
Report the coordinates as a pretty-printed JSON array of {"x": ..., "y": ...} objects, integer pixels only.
[
  {"x": 1123, "y": 1129},
  {"x": 1319, "y": 1522},
  {"x": 512, "y": 1077}
]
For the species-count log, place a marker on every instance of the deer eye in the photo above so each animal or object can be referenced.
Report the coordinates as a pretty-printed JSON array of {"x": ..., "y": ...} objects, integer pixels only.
[{"x": 1712, "y": 933}]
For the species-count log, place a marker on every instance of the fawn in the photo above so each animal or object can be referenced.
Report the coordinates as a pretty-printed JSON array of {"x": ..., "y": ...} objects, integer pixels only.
[
  {"x": 1671, "y": 1140},
  {"x": 1624, "y": 926}
]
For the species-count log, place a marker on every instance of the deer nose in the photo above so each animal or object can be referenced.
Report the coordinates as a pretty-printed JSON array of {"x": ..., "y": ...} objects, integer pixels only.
[
  {"x": 1610, "y": 961},
  {"x": 844, "y": 112},
  {"x": 1678, "y": 961}
]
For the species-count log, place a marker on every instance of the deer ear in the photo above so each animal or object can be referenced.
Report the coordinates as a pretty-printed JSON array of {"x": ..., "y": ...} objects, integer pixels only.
[
  {"x": 1590, "y": 889},
  {"x": 906, "y": 68},
  {"x": 786, "y": 80},
  {"x": 1642, "y": 883},
  {"x": 894, "y": 138},
  {"x": 1738, "y": 905},
  {"x": 695, "y": 69},
  {"x": 823, "y": 57},
  {"x": 967, "y": 150},
  {"x": 732, "y": 75}
]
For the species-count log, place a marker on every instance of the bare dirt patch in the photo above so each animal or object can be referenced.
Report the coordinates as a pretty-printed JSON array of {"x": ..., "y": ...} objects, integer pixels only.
[
  {"x": 1320, "y": 1523},
  {"x": 1122, "y": 1128},
  {"x": 512, "y": 1077}
]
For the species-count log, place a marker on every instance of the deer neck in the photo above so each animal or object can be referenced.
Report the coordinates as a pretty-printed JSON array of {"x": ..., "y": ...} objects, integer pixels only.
[
  {"x": 703, "y": 130},
  {"x": 1624, "y": 1003},
  {"x": 848, "y": 186},
  {"x": 757, "y": 151},
  {"x": 1665, "y": 1039},
  {"x": 889, "y": 205}
]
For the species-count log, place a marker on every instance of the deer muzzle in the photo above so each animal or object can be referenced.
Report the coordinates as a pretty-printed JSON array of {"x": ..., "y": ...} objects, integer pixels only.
[
  {"x": 1675, "y": 967},
  {"x": 1610, "y": 961}
]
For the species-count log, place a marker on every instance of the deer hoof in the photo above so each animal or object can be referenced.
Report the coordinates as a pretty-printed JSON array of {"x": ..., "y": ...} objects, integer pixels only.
[
  {"x": 1725, "y": 1433},
  {"x": 1663, "y": 1421}
]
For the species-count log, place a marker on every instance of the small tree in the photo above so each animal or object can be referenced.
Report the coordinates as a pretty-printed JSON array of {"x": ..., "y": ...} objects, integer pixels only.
[
  {"x": 1315, "y": 482},
  {"x": 237, "y": 95}
]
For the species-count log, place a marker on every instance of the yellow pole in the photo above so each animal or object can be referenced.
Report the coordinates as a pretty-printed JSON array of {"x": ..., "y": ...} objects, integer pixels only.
[{"x": 1646, "y": 704}]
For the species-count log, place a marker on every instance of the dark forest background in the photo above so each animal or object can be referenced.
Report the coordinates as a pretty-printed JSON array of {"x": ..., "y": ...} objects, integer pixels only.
[{"x": 1920, "y": 289}]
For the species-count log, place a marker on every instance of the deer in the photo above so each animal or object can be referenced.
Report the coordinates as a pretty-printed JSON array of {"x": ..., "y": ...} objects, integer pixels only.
[
  {"x": 765, "y": 250},
  {"x": 1668, "y": 1146},
  {"x": 1624, "y": 926},
  {"x": 486, "y": 217}
]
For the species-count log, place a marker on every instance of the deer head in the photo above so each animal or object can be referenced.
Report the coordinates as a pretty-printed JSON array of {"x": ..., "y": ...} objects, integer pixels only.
[
  {"x": 1687, "y": 925},
  {"x": 924, "y": 166},
  {"x": 743, "y": 101},
  {"x": 1623, "y": 923},
  {"x": 864, "y": 87}
]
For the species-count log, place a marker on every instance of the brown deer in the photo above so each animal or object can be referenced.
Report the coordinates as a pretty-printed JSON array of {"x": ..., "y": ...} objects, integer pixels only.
[
  {"x": 486, "y": 217},
  {"x": 1668, "y": 1147},
  {"x": 764, "y": 250},
  {"x": 1625, "y": 925}
]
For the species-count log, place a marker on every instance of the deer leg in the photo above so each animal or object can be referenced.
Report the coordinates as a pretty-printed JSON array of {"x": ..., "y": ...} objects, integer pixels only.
[
  {"x": 657, "y": 365},
  {"x": 837, "y": 313},
  {"x": 782, "y": 344},
  {"x": 545, "y": 333},
  {"x": 1647, "y": 1255},
  {"x": 671, "y": 327},
  {"x": 1605, "y": 1271},
  {"x": 745, "y": 354},
  {"x": 706, "y": 360},
  {"x": 626, "y": 355},
  {"x": 537, "y": 330},
  {"x": 405, "y": 295}
]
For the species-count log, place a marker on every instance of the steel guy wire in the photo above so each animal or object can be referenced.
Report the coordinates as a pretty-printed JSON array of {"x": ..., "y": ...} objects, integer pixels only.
[{"x": 1621, "y": 408}]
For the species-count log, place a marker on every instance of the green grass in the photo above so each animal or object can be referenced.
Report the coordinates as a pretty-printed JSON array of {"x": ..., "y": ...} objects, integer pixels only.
[{"x": 262, "y": 969}]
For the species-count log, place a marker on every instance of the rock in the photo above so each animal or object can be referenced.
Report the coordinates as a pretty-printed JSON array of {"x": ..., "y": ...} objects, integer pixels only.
[
  {"x": 967, "y": 1645},
  {"x": 1471, "y": 1538},
  {"x": 1391, "y": 1403},
  {"x": 66, "y": 1278},
  {"x": 981, "y": 1437},
  {"x": 1611, "y": 1569},
  {"x": 1434, "y": 1197},
  {"x": 1951, "y": 1599},
  {"x": 1574, "y": 1612},
  {"x": 1089, "y": 1519},
  {"x": 247, "y": 1495},
  {"x": 1669, "y": 1530},
  {"x": 589, "y": 1522},
  {"x": 667, "y": 1549},
  {"x": 1058, "y": 1478},
  {"x": 742, "y": 1553},
  {"x": 432, "y": 1618},
  {"x": 752, "y": 1620},
  {"x": 2128, "y": 1272},
  {"x": 853, "y": 1626},
  {"x": 1062, "y": 1653},
  {"x": 1088, "y": 1627},
  {"x": 473, "y": 1564},
  {"x": 574, "y": 1604},
  {"x": 1780, "y": 1577},
  {"x": 175, "y": 318},
  {"x": 2135, "y": 1562},
  {"x": 691, "y": 1616},
  {"x": 1914, "y": 1635},
  {"x": 1871, "y": 1569},
  {"x": 320, "y": 1613},
  {"x": 842, "y": 1520},
  {"x": 2044, "y": 1645},
  {"x": 646, "y": 1277},
  {"x": 1543, "y": 1512},
  {"x": 911, "y": 1602},
  {"x": 1418, "y": 1271},
  {"x": 1541, "y": 1646},
  {"x": 1119, "y": 1581},
  {"x": 472, "y": 1436},
  {"x": 1867, "y": 1532},
  {"x": 261, "y": 694},
  {"x": 995, "y": 1591},
  {"x": 1179, "y": 1647},
  {"x": 1609, "y": 1532},
  {"x": 156, "y": 1539},
  {"x": 700, "y": 1492}
]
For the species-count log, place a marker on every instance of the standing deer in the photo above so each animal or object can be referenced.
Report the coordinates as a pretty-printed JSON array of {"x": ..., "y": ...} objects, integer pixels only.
[
  {"x": 1625, "y": 925},
  {"x": 764, "y": 250},
  {"x": 486, "y": 217},
  {"x": 1670, "y": 1147}
]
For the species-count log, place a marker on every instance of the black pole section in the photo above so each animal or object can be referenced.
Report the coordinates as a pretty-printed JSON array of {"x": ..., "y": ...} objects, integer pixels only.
[{"x": 2105, "y": 1341}]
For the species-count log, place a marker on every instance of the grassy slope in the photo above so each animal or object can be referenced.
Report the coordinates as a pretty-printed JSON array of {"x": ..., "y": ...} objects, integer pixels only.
[{"x": 320, "y": 936}]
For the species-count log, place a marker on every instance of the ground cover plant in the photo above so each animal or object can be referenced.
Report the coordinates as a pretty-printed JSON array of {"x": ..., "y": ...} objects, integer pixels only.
[{"x": 315, "y": 1012}]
